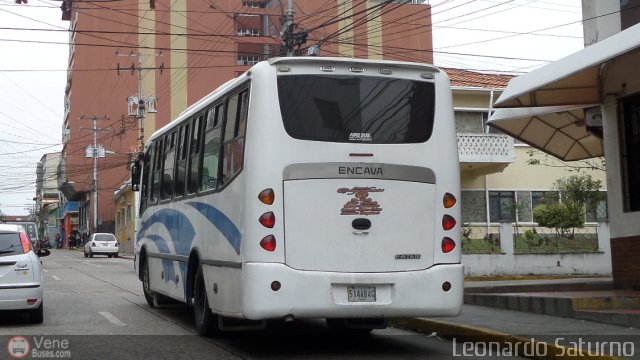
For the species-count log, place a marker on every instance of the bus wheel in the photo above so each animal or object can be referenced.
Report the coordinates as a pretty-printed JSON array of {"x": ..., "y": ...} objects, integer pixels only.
[
  {"x": 148, "y": 295},
  {"x": 206, "y": 322}
]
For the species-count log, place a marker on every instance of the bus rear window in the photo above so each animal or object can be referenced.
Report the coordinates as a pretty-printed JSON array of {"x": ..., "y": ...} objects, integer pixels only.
[{"x": 356, "y": 109}]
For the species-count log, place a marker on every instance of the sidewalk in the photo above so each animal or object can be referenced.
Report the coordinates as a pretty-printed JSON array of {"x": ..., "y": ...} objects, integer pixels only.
[{"x": 587, "y": 313}]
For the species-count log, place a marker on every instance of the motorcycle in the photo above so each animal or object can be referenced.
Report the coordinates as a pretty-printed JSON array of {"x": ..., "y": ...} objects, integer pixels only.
[{"x": 45, "y": 244}]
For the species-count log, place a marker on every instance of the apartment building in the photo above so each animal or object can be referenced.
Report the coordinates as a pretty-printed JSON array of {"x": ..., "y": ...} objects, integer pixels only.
[{"x": 47, "y": 198}]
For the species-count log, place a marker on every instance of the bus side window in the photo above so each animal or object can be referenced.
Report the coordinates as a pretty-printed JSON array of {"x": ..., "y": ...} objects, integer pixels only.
[
  {"x": 169, "y": 162},
  {"x": 231, "y": 121},
  {"x": 211, "y": 151},
  {"x": 145, "y": 184},
  {"x": 181, "y": 162},
  {"x": 244, "y": 114},
  {"x": 194, "y": 163},
  {"x": 157, "y": 171},
  {"x": 235, "y": 128}
]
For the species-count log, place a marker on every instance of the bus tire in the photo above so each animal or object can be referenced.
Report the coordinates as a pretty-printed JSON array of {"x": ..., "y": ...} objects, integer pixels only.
[
  {"x": 206, "y": 321},
  {"x": 148, "y": 294}
]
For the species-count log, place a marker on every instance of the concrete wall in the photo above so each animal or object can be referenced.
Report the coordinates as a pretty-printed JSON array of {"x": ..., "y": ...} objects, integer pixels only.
[
  {"x": 509, "y": 263},
  {"x": 597, "y": 26}
]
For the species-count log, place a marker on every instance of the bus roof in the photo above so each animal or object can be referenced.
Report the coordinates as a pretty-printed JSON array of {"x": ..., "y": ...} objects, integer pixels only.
[
  {"x": 324, "y": 60},
  {"x": 200, "y": 104}
]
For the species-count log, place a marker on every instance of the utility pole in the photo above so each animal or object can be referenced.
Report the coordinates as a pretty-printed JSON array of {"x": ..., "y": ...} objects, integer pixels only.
[
  {"x": 95, "y": 151},
  {"x": 291, "y": 41},
  {"x": 287, "y": 30},
  {"x": 139, "y": 104}
]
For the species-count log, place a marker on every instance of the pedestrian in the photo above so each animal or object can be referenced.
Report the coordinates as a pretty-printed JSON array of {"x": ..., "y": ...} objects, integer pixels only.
[{"x": 72, "y": 240}]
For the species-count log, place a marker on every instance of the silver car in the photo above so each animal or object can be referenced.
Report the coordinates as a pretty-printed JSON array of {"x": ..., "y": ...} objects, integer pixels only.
[{"x": 21, "y": 287}]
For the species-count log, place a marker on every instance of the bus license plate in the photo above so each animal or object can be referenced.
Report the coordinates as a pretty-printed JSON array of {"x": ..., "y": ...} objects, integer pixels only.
[{"x": 361, "y": 293}]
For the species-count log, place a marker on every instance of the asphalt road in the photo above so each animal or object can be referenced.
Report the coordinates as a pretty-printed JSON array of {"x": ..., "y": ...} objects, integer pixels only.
[{"x": 94, "y": 309}]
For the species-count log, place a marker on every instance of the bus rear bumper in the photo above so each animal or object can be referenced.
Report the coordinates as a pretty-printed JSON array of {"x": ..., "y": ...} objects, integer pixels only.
[{"x": 316, "y": 294}]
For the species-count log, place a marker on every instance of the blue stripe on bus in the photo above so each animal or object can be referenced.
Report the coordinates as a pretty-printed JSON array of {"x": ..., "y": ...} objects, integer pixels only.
[
  {"x": 181, "y": 232},
  {"x": 167, "y": 265},
  {"x": 179, "y": 227},
  {"x": 221, "y": 222}
]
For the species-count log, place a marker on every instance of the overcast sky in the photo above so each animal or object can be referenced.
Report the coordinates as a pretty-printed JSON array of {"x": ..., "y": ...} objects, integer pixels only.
[{"x": 33, "y": 73}]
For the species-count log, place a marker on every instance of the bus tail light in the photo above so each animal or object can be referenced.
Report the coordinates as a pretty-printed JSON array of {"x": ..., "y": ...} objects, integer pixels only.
[
  {"x": 448, "y": 222},
  {"x": 26, "y": 243},
  {"x": 268, "y": 243},
  {"x": 448, "y": 245},
  {"x": 448, "y": 200},
  {"x": 268, "y": 219},
  {"x": 267, "y": 196}
]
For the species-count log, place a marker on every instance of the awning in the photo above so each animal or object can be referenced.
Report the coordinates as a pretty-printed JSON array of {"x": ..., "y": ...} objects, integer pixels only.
[
  {"x": 573, "y": 80},
  {"x": 557, "y": 130}
]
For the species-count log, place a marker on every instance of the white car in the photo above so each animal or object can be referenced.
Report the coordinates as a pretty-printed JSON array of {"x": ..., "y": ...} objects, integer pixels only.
[
  {"x": 21, "y": 280},
  {"x": 101, "y": 243}
]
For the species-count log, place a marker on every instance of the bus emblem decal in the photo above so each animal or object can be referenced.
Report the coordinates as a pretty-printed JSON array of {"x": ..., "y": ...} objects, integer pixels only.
[
  {"x": 360, "y": 203},
  {"x": 361, "y": 137}
]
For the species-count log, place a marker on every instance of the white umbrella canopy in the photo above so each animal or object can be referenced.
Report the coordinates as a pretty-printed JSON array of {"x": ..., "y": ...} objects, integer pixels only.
[
  {"x": 557, "y": 130},
  {"x": 575, "y": 79}
]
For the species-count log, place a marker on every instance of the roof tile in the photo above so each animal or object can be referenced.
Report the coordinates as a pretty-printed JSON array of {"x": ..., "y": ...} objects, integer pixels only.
[{"x": 475, "y": 79}]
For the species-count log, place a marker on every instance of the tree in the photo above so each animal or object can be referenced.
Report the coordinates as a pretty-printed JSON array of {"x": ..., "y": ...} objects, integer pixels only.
[
  {"x": 578, "y": 193},
  {"x": 559, "y": 217},
  {"x": 577, "y": 166}
]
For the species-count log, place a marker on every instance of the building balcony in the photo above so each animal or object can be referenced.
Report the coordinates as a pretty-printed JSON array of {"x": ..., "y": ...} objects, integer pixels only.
[{"x": 483, "y": 154}]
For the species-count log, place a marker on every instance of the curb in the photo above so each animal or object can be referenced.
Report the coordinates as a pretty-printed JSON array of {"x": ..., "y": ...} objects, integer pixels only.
[
  {"x": 120, "y": 255},
  {"x": 467, "y": 333}
]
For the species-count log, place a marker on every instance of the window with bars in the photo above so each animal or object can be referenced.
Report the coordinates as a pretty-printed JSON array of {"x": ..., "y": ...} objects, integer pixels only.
[
  {"x": 253, "y": 4},
  {"x": 248, "y": 32},
  {"x": 248, "y": 59},
  {"x": 544, "y": 198},
  {"x": 501, "y": 206}
]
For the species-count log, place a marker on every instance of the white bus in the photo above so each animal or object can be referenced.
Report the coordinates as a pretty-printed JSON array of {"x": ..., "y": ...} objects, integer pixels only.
[{"x": 307, "y": 187}]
